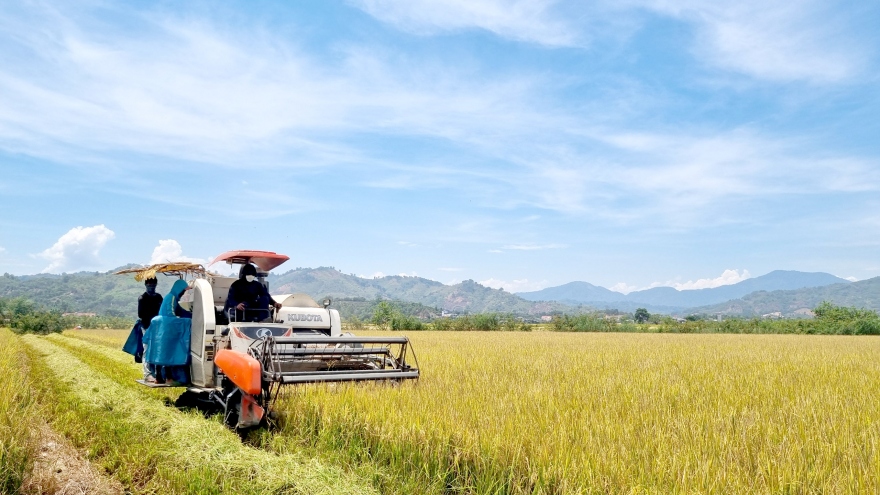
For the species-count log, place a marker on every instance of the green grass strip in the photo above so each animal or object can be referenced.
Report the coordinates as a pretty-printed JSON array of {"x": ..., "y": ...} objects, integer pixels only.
[
  {"x": 152, "y": 448},
  {"x": 113, "y": 364}
]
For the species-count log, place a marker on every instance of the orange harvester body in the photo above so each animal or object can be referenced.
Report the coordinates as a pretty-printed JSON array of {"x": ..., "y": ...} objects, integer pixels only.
[{"x": 243, "y": 370}]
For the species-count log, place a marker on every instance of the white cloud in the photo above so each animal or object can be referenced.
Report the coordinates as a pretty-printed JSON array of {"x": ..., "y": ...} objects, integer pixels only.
[
  {"x": 169, "y": 251},
  {"x": 2, "y": 249},
  {"x": 623, "y": 288},
  {"x": 524, "y": 20},
  {"x": 851, "y": 279},
  {"x": 521, "y": 285},
  {"x": 77, "y": 249},
  {"x": 728, "y": 277},
  {"x": 374, "y": 275},
  {"x": 799, "y": 40}
]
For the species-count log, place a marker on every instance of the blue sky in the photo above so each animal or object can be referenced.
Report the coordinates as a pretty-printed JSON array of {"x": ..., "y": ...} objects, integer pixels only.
[{"x": 521, "y": 144}]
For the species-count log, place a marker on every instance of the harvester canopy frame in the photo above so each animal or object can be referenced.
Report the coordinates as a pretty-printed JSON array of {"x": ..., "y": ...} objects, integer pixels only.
[
  {"x": 265, "y": 260},
  {"x": 182, "y": 269}
]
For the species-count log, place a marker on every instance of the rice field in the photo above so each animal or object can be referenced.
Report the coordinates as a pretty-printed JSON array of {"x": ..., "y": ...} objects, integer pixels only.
[
  {"x": 524, "y": 413},
  {"x": 18, "y": 414}
]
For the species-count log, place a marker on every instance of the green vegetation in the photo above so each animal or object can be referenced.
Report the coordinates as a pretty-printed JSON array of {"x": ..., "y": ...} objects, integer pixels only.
[
  {"x": 481, "y": 322},
  {"x": 23, "y": 316},
  {"x": 131, "y": 433},
  {"x": 830, "y": 320},
  {"x": 387, "y": 316},
  {"x": 847, "y": 320},
  {"x": 358, "y": 308},
  {"x": 593, "y": 322},
  {"x": 87, "y": 292}
]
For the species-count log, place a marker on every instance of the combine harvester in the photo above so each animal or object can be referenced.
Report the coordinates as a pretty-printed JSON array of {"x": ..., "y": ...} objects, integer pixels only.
[{"x": 238, "y": 367}]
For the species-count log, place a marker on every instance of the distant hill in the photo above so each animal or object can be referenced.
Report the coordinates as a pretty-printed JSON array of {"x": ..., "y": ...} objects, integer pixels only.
[
  {"x": 862, "y": 294},
  {"x": 467, "y": 296},
  {"x": 116, "y": 295},
  {"x": 89, "y": 292},
  {"x": 574, "y": 293},
  {"x": 671, "y": 299}
]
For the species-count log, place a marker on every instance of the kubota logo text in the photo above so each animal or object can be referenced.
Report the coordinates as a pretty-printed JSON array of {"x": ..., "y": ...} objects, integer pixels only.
[{"x": 298, "y": 317}]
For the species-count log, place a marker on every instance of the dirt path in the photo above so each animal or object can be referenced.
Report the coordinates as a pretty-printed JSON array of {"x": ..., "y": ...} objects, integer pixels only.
[{"x": 62, "y": 470}]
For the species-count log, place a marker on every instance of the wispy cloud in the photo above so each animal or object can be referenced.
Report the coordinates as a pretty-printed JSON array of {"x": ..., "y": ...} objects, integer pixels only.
[
  {"x": 526, "y": 20},
  {"x": 586, "y": 149},
  {"x": 217, "y": 95},
  {"x": 201, "y": 92},
  {"x": 801, "y": 40},
  {"x": 533, "y": 247},
  {"x": 78, "y": 249},
  {"x": 691, "y": 178}
]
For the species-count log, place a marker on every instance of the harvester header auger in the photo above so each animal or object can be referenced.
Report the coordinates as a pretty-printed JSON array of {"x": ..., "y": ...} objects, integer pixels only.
[{"x": 237, "y": 367}]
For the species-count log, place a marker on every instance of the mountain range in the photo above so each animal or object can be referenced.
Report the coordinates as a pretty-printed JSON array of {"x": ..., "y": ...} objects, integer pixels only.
[
  {"x": 672, "y": 300},
  {"x": 463, "y": 297},
  {"x": 861, "y": 294},
  {"x": 787, "y": 292}
]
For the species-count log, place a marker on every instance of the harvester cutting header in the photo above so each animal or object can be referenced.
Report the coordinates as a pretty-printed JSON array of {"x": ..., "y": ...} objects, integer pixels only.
[{"x": 241, "y": 344}]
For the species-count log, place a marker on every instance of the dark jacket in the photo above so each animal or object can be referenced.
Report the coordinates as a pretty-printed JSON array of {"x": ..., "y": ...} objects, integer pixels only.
[
  {"x": 148, "y": 307},
  {"x": 254, "y": 296}
]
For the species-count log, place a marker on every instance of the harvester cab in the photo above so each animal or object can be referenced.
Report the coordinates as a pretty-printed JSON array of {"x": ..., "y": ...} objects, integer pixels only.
[{"x": 237, "y": 367}]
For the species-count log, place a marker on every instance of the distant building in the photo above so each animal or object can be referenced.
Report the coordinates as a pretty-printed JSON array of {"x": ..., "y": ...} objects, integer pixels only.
[
  {"x": 776, "y": 315},
  {"x": 546, "y": 318},
  {"x": 80, "y": 314}
]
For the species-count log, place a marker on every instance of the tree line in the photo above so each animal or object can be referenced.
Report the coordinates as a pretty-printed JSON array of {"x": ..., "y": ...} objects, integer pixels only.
[
  {"x": 829, "y": 319},
  {"x": 24, "y": 316}
]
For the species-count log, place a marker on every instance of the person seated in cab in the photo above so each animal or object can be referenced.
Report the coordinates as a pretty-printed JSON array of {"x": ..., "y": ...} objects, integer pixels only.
[{"x": 248, "y": 297}]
